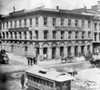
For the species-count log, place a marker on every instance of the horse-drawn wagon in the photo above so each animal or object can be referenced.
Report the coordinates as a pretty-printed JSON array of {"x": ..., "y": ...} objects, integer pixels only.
[{"x": 93, "y": 58}]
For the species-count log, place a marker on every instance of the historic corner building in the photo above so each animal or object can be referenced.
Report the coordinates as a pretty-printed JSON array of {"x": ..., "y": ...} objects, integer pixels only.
[{"x": 48, "y": 33}]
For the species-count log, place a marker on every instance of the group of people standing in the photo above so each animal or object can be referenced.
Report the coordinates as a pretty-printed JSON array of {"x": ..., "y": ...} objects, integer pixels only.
[{"x": 32, "y": 60}]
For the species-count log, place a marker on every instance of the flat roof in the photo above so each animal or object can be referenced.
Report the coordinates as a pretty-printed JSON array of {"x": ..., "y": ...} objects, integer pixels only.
[{"x": 51, "y": 74}]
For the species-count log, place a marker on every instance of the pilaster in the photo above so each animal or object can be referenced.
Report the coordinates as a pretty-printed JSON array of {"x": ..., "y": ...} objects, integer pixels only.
[
  {"x": 72, "y": 50},
  {"x": 58, "y": 52},
  {"x": 49, "y": 52},
  {"x": 65, "y": 51}
]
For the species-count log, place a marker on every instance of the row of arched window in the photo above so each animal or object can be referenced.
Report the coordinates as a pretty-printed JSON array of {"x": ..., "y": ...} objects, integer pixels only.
[{"x": 19, "y": 35}]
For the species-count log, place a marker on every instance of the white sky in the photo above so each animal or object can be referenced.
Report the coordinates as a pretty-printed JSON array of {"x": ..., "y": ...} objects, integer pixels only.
[{"x": 6, "y": 6}]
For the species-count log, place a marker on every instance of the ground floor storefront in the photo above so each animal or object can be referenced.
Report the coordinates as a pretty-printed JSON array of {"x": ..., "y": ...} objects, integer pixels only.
[
  {"x": 96, "y": 47},
  {"x": 48, "y": 50}
]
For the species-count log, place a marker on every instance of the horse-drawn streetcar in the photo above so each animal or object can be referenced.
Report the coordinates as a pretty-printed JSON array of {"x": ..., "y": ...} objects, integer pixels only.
[{"x": 45, "y": 79}]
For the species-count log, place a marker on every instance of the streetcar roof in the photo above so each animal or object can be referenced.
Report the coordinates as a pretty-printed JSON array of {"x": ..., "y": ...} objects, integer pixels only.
[{"x": 50, "y": 74}]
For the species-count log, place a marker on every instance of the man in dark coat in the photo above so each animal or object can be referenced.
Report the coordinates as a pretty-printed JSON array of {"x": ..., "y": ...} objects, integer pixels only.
[{"x": 22, "y": 80}]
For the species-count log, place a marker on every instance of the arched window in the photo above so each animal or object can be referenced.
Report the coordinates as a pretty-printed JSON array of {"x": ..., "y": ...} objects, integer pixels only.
[
  {"x": 20, "y": 35},
  {"x": 45, "y": 34},
  {"x": 7, "y": 34},
  {"x": 25, "y": 35},
  {"x": 11, "y": 35},
  {"x": 15, "y": 35},
  {"x": 3, "y": 35}
]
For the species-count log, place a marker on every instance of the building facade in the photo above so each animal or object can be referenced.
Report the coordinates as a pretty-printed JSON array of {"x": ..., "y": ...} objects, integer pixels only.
[
  {"x": 95, "y": 10},
  {"x": 96, "y": 34},
  {"x": 47, "y": 33}
]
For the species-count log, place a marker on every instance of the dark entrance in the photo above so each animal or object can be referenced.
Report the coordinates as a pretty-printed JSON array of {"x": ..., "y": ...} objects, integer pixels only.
[
  {"x": 69, "y": 50},
  {"x": 53, "y": 52},
  {"x": 61, "y": 51},
  {"x": 45, "y": 52},
  {"x": 82, "y": 50}
]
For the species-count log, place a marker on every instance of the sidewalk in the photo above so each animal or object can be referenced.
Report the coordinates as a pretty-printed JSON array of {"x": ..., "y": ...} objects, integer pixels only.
[{"x": 23, "y": 60}]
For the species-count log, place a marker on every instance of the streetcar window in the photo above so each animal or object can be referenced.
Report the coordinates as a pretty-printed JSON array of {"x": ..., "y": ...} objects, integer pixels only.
[
  {"x": 40, "y": 81},
  {"x": 62, "y": 74},
  {"x": 47, "y": 83},
  {"x": 34, "y": 79},
  {"x": 51, "y": 84}
]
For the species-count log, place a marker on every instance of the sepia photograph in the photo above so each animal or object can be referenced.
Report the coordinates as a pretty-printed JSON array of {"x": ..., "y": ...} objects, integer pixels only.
[{"x": 49, "y": 44}]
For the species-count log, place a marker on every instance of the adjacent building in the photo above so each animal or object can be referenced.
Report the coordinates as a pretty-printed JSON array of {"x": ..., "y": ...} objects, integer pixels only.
[
  {"x": 0, "y": 27},
  {"x": 47, "y": 33}
]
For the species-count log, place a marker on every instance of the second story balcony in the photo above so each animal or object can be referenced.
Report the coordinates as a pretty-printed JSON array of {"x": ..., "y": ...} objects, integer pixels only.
[
  {"x": 18, "y": 29},
  {"x": 68, "y": 28}
]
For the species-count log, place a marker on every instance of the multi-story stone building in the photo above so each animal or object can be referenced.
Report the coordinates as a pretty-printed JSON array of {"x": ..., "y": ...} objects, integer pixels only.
[{"x": 49, "y": 33}]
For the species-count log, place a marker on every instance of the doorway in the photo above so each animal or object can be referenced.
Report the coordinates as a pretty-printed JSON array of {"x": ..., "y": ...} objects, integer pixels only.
[
  {"x": 45, "y": 52},
  {"x": 61, "y": 51},
  {"x": 69, "y": 50},
  {"x": 53, "y": 52},
  {"x": 82, "y": 50}
]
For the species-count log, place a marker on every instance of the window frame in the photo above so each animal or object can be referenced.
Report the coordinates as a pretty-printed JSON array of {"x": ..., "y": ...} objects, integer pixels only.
[
  {"x": 36, "y": 21},
  {"x": 54, "y": 34},
  {"x": 62, "y": 34},
  {"x": 69, "y": 34},
  {"x": 62, "y": 21},
  {"x": 76, "y": 34},
  {"x": 54, "y": 21},
  {"x": 83, "y": 33},
  {"x": 45, "y": 21},
  {"x": 30, "y": 22},
  {"x": 37, "y": 34},
  {"x": 25, "y": 22},
  {"x": 89, "y": 34},
  {"x": 7, "y": 24},
  {"x": 89, "y": 24},
  {"x": 20, "y": 23},
  {"x": 69, "y": 22},
  {"x": 45, "y": 34},
  {"x": 76, "y": 23}
]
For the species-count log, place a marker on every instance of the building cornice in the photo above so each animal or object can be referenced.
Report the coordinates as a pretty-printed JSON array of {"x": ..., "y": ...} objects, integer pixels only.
[{"x": 45, "y": 10}]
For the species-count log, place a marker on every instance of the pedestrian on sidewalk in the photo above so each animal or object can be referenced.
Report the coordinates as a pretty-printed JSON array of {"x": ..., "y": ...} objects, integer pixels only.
[{"x": 22, "y": 80}]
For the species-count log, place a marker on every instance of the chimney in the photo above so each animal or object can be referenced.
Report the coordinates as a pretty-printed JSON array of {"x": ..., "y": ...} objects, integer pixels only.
[
  {"x": 57, "y": 7},
  {"x": 85, "y": 8},
  {"x": 13, "y": 8}
]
